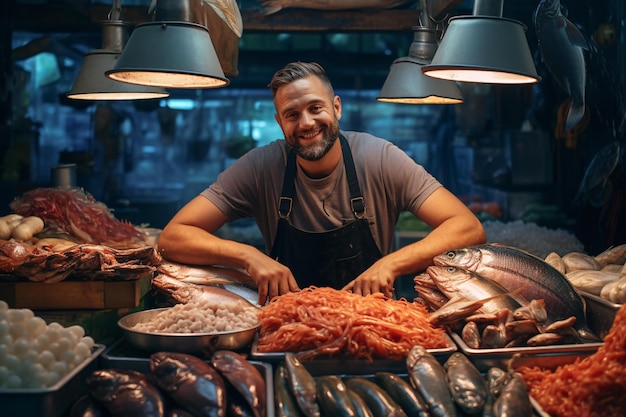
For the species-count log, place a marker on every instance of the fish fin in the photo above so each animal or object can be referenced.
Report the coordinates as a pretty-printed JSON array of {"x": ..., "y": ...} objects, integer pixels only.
[
  {"x": 575, "y": 36},
  {"x": 228, "y": 11}
]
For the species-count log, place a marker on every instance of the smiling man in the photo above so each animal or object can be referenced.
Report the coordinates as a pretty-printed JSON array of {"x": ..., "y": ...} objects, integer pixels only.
[{"x": 326, "y": 202}]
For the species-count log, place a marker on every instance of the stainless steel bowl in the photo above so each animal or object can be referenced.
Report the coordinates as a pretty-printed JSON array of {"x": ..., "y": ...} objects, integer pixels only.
[{"x": 182, "y": 342}]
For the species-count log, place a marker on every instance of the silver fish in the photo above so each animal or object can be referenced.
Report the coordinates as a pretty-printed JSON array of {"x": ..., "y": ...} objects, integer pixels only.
[
  {"x": 302, "y": 385},
  {"x": 184, "y": 292},
  {"x": 427, "y": 376},
  {"x": 516, "y": 270},
  {"x": 513, "y": 401},
  {"x": 274, "y": 6},
  {"x": 467, "y": 385},
  {"x": 204, "y": 274},
  {"x": 561, "y": 45},
  {"x": 454, "y": 281}
]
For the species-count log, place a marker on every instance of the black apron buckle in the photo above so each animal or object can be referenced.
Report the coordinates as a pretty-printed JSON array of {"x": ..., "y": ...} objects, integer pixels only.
[
  {"x": 284, "y": 207},
  {"x": 358, "y": 207}
]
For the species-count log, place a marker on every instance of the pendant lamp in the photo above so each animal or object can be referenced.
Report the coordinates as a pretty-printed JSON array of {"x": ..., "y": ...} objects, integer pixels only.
[
  {"x": 484, "y": 48},
  {"x": 406, "y": 83},
  {"x": 170, "y": 51},
  {"x": 92, "y": 84}
]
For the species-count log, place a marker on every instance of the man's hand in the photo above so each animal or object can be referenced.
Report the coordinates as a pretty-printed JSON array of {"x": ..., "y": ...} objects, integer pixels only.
[
  {"x": 376, "y": 278},
  {"x": 272, "y": 278}
]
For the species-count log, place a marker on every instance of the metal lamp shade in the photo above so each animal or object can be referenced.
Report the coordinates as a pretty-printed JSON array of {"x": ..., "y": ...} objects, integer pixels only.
[
  {"x": 91, "y": 83},
  {"x": 170, "y": 54},
  {"x": 483, "y": 49},
  {"x": 406, "y": 84}
]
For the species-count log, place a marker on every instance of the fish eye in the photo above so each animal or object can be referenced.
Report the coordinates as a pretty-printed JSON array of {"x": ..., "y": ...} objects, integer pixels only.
[
  {"x": 450, "y": 254},
  {"x": 451, "y": 269}
]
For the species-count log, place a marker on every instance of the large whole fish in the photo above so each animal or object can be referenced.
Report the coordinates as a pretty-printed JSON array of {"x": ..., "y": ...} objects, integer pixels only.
[
  {"x": 516, "y": 270},
  {"x": 191, "y": 382},
  {"x": 244, "y": 377},
  {"x": 273, "y": 6},
  {"x": 220, "y": 290},
  {"x": 561, "y": 45},
  {"x": 125, "y": 392}
]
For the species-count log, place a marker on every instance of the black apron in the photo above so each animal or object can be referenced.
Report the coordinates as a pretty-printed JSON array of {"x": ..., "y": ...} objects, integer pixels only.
[{"x": 325, "y": 259}]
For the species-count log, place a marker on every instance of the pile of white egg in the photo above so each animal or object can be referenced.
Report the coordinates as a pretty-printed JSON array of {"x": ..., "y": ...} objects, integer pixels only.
[{"x": 34, "y": 354}]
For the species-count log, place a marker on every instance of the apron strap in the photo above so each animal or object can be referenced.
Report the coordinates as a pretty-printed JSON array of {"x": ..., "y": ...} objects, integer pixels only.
[
  {"x": 356, "y": 198},
  {"x": 357, "y": 203},
  {"x": 285, "y": 203}
]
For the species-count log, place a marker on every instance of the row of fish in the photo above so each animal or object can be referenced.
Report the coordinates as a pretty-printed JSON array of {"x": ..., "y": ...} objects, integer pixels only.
[
  {"x": 178, "y": 384},
  {"x": 456, "y": 388},
  {"x": 506, "y": 285},
  {"x": 603, "y": 275}
]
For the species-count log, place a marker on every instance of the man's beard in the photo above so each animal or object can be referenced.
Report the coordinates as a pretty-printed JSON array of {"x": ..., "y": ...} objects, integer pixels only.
[{"x": 316, "y": 151}]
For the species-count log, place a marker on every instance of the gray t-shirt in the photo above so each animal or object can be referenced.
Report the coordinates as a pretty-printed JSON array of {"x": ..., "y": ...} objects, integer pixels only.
[{"x": 391, "y": 182}]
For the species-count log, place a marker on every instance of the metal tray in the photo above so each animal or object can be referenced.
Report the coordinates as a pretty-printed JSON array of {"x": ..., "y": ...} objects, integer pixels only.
[
  {"x": 542, "y": 356},
  {"x": 53, "y": 401},
  {"x": 336, "y": 365},
  {"x": 122, "y": 356},
  {"x": 600, "y": 313}
]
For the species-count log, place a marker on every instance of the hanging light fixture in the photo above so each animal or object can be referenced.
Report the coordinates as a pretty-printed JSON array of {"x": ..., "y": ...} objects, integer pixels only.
[
  {"x": 406, "y": 83},
  {"x": 484, "y": 48},
  {"x": 92, "y": 84},
  {"x": 170, "y": 51}
]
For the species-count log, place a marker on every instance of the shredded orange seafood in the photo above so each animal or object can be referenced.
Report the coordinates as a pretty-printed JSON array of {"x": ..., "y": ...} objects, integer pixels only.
[
  {"x": 591, "y": 387},
  {"x": 324, "y": 321}
]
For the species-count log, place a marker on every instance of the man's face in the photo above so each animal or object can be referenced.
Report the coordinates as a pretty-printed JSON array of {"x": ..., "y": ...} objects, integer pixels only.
[{"x": 309, "y": 117}]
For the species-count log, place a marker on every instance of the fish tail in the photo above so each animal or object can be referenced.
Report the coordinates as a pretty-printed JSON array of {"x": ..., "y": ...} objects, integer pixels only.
[{"x": 575, "y": 114}]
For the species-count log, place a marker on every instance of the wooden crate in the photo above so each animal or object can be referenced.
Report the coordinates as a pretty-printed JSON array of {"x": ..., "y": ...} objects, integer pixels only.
[{"x": 75, "y": 295}]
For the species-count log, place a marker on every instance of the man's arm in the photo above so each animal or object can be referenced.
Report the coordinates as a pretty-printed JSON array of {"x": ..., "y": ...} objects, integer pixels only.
[
  {"x": 454, "y": 226},
  {"x": 189, "y": 239}
]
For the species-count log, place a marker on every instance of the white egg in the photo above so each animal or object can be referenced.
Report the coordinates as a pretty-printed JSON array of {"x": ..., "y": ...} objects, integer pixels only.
[
  {"x": 46, "y": 358},
  {"x": 88, "y": 341},
  {"x": 69, "y": 358},
  {"x": 4, "y": 374},
  {"x": 4, "y": 328},
  {"x": 21, "y": 346},
  {"x": 36, "y": 326},
  {"x": 3, "y": 305},
  {"x": 52, "y": 333},
  {"x": 77, "y": 330},
  {"x": 28, "y": 313},
  {"x": 65, "y": 334},
  {"x": 6, "y": 340},
  {"x": 12, "y": 362},
  {"x": 59, "y": 367},
  {"x": 55, "y": 326},
  {"x": 43, "y": 340},
  {"x": 13, "y": 381},
  {"x": 16, "y": 315},
  {"x": 17, "y": 328},
  {"x": 52, "y": 378},
  {"x": 82, "y": 350},
  {"x": 65, "y": 344}
]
